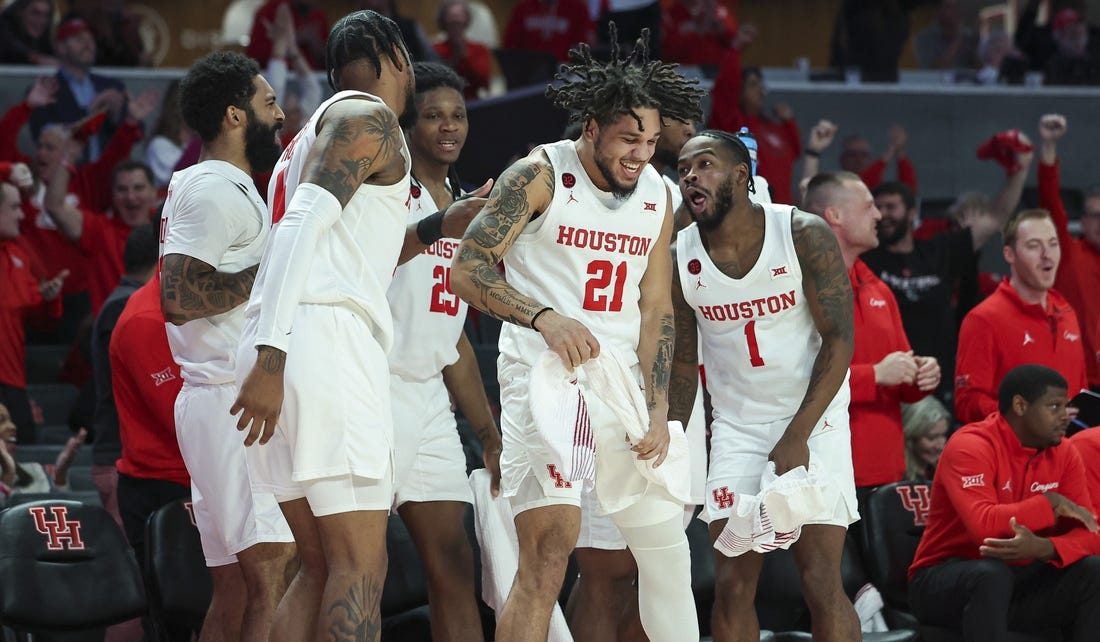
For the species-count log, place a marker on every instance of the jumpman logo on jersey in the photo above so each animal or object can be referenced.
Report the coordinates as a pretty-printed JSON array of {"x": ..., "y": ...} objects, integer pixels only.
[
  {"x": 1027, "y": 338},
  {"x": 699, "y": 284},
  {"x": 571, "y": 199},
  {"x": 826, "y": 426}
]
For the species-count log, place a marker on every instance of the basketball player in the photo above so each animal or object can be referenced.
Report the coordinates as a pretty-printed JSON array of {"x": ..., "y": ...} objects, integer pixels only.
[
  {"x": 577, "y": 295},
  {"x": 766, "y": 290},
  {"x": 213, "y": 232},
  {"x": 430, "y": 356},
  {"x": 318, "y": 327}
]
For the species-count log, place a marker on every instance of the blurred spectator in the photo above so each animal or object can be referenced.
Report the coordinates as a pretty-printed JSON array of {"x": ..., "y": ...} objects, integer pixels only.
[
  {"x": 1079, "y": 271},
  {"x": 630, "y": 17},
  {"x": 297, "y": 105},
  {"x": 80, "y": 92},
  {"x": 117, "y": 31},
  {"x": 1010, "y": 541},
  {"x": 415, "y": 39},
  {"x": 483, "y": 25},
  {"x": 311, "y": 28},
  {"x": 1024, "y": 321},
  {"x": 170, "y": 135},
  {"x": 884, "y": 371},
  {"x": 870, "y": 35},
  {"x": 1076, "y": 60},
  {"x": 738, "y": 101},
  {"x": 25, "y": 33},
  {"x": 855, "y": 157},
  {"x": 471, "y": 60},
  {"x": 947, "y": 43},
  {"x": 31, "y": 477},
  {"x": 552, "y": 26},
  {"x": 925, "y": 424},
  {"x": 698, "y": 32},
  {"x": 1039, "y": 43},
  {"x": 21, "y": 292},
  {"x": 140, "y": 262},
  {"x": 999, "y": 60}
]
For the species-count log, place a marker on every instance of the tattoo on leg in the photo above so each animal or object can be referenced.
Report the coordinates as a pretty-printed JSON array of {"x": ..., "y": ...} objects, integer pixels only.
[{"x": 356, "y": 617}]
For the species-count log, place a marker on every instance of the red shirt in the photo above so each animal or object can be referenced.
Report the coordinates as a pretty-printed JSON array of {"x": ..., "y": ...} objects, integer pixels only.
[
  {"x": 779, "y": 144},
  {"x": 553, "y": 28},
  {"x": 1003, "y": 332},
  {"x": 314, "y": 26},
  {"x": 1087, "y": 443},
  {"x": 872, "y": 174},
  {"x": 984, "y": 478},
  {"x": 681, "y": 41},
  {"x": 19, "y": 294},
  {"x": 1079, "y": 271},
  {"x": 146, "y": 381},
  {"x": 475, "y": 67},
  {"x": 103, "y": 241},
  {"x": 878, "y": 443}
]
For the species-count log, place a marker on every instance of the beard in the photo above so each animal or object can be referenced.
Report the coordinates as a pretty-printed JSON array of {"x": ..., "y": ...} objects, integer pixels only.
[
  {"x": 618, "y": 190},
  {"x": 889, "y": 238},
  {"x": 723, "y": 205},
  {"x": 261, "y": 147},
  {"x": 408, "y": 117}
]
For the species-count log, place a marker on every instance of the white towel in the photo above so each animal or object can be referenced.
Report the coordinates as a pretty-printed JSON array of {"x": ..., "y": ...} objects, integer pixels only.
[
  {"x": 561, "y": 417},
  {"x": 773, "y": 518},
  {"x": 496, "y": 535},
  {"x": 869, "y": 605}
]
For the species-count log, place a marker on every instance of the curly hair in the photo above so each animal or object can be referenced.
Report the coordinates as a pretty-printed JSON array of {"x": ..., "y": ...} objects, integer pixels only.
[
  {"x": 363, "y": 35},
  {"x": 215, "y": 82},
  {"x": 606, "y": 90}
]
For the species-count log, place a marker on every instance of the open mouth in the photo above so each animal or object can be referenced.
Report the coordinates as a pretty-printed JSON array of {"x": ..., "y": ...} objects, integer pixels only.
[
  {"x": 448, "y": 145},
  {"x": 696, "y": 200},
  {"x": 631, "y": 169}
]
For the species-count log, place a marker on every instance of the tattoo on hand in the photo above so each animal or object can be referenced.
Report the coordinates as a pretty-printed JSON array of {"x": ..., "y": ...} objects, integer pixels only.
[
  {"x": 662, "y": 362},
  {"x": 356, "y": 617},
  {"x": 191, "y": 289}
]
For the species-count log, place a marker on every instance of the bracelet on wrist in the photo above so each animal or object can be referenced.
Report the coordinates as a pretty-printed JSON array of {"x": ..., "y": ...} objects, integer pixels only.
[
  {"x": 430, "y": 228},
  {"x": 536, "y": 317}
]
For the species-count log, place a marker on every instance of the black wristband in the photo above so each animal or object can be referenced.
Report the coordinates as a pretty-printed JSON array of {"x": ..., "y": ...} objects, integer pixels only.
[
  {"x": 430, "y": 228},
  {"x": 536, "y": 317},
  {"x": 811, "y": 153}
]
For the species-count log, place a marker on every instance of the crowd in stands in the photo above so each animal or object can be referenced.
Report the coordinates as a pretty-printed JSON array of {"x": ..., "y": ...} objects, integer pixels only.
[{"x": 935, "y": 336}]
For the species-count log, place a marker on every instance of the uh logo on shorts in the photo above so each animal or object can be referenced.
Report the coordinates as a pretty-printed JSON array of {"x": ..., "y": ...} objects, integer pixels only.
[{"x": 62, "y": 533}]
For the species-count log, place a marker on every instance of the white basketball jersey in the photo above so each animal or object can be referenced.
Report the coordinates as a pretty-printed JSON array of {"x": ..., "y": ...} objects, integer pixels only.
[
  {"x": 355, "y": 258},
  {"x": 757, "y": 333},
  {"x": 427, "y": 315},
  {"x": 585, "y": 257},
  {"x": 213, "y": 213}
]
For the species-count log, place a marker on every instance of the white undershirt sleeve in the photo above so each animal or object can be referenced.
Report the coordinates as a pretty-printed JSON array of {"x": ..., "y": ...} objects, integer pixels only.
[{"x": 311, "y": 211}]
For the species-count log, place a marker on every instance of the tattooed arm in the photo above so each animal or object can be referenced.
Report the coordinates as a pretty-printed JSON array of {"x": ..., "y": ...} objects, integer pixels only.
[
  {"x": 684, "y": 382},
  {"x": 192, "y": 289},
  {"x": 358, "y": 142},
  {"x": 829, "y": 295},
  {"x": 656, "y": 342},
  {"x": 463, "y": 380}
]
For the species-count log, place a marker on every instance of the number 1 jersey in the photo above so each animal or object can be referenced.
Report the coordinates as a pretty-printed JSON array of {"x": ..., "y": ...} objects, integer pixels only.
[{"x": 585, "y": 257}]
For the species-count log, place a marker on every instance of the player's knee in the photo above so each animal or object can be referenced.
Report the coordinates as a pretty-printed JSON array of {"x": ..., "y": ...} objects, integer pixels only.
[
  {"x": 821, "y": 583},
  {"x": 733, "y": 588},
  {"x": 543, "y": 575},
  {"x": 448, "y": 559}
]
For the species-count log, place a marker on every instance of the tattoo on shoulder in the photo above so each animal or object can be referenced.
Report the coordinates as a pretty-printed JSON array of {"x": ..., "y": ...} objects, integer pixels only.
[
  {"x": 346, "y": 162},
  {"x": 824, "y": 272}
]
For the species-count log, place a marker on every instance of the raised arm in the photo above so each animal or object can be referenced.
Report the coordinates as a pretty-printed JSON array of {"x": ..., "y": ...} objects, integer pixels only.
[
  {"x": 1005, "y": 202},
  {"x": 829, "y": 295},
  {"x": 684, "y": 381},
  {"x": 68, "y": 218}
]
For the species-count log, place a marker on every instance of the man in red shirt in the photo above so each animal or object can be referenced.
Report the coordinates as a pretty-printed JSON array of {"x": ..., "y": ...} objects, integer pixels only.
[
  {"x": 310, "y": 28},
  {"x": 101, "y": 236},
  {"x": 552, "y": 26},
  {"x": 20, "y": 292},
  {"x": 855, "y": 157},
  {"x": 884, "y": 370},
  {"x": 699, "y": 32},
  {"x": 1079, "y": 272},
  {"x": 471, "y": 60},
  {"x": 1011, "y": 538},
  {"x": 1024, "y": 321}
]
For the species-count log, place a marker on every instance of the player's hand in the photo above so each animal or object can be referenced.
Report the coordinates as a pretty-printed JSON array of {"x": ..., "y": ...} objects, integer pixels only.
[
  {"x": 490, "y": 455},
  {"x": 928, "y": 373},
  {"x": 895, "y": 369},
  {"x": 51, "y": 288},
  {"x": 1024, "y": 545},
  {"x": 261, "y": 397},
  {"x": 1063, "y": 507},
  {"x": 655, "y": 443},
  {"x": 1052, "y": 127},
  {"x": 568, "y": 338},
  {"x": 790, "y": 453},
  {"x": 821, "y": 136},
  {"x": 458, "y": 215}
]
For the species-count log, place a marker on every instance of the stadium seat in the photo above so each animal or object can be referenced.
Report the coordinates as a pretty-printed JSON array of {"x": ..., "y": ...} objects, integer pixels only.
[
  {"x": 80, "y": 479},
  {"x": 43, "y": 362},
  {"x": 55, "y": 400},
  {"x": 53, "y": 434},
  {"x": 46, "y": 454},
  {"x": 84, "y": 573},
  {"x": 87, "y": 497},
  {"x": 176, "y": 577}
]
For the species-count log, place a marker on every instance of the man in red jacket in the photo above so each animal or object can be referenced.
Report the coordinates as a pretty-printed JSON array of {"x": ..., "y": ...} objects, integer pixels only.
[
  {"x": 884, "y": 370},
  {"x": 1011, "y": 538},
  {"x": 1024, "y": 321}
]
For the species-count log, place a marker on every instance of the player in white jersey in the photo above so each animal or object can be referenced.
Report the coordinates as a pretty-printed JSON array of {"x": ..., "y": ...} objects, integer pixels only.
[
  {"x": 432, "y": 356},
  {"x": 765, "y": 289},
  {"x": 583, "y": 228},
  {"x": 315, "y": 399},
  {"x": 213, "y": 231}
]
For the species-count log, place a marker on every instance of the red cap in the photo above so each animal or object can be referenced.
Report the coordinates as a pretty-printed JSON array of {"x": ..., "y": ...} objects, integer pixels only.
[
  {"x": 71, "y": 27},
  {"x": 1065, "y": 18}
]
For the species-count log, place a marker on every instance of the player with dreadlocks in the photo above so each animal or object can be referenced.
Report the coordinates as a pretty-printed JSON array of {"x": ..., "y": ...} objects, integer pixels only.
[
  {"x": 316, "y": 398},
  {"x": 583, "y": 227},
  {"x": 765, "y": 288}
]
